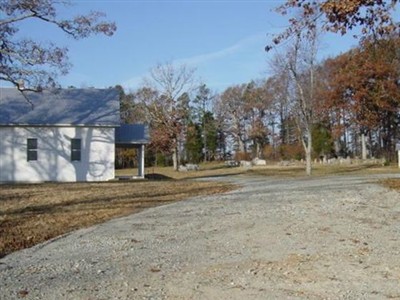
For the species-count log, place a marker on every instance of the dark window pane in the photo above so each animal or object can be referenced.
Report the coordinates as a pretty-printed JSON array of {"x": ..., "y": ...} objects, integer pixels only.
[
  {"x": 75, "y": 149},
  {"x": 76, "y": 144},
  {"x": 32, "y": 149},
  {"x": 32, "y": 155},
  {"x": 76, "y": 155},
  {"x": 32, "y": 144}
]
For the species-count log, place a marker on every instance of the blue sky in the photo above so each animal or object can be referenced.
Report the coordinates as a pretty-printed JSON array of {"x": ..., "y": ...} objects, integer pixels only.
[{"x": 223, "y": 40}]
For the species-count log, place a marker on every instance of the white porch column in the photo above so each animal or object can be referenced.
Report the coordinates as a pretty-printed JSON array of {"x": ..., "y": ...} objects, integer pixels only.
[
  {"x": 398, "y": 157},
  {"x": 141, "y": 161},
  {"x": 398, "y": 153}
]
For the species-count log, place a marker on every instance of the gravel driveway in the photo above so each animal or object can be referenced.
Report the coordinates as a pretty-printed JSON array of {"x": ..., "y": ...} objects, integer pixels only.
[{"x": 309, "y": 238}]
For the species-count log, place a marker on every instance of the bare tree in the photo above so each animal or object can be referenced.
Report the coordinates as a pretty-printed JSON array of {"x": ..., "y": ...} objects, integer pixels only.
[
  {"x": 258, "y": 107},
  {"x": 231, "y": 106},
  {"x": 300, "y": 63},
  {"x": 166, "y": 102},
  {"x": 33, "y": 65}
]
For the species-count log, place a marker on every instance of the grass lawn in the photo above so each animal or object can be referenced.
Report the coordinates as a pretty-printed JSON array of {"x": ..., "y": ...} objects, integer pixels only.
[
  {"x": 325, "y": 170},
  {"x": 33, "y": 213}
]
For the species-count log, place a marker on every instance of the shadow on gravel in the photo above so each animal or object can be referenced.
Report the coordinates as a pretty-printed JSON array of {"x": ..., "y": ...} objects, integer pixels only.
[
  {"x": 217, "y": 176},
  {"x": 156, "y": 176}
]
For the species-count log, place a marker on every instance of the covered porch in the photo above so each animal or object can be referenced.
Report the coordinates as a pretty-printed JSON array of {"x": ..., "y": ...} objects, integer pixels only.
[{"x": 135, "y": 136}]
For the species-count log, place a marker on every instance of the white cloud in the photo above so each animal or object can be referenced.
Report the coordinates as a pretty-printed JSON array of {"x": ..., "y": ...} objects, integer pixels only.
[{"x": 203, "y": 59}]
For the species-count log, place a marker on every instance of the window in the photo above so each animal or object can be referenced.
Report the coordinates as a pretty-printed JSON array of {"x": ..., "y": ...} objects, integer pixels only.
[
  {"x": 75, "y": 149},
  {"x": 32, "y": 149}
]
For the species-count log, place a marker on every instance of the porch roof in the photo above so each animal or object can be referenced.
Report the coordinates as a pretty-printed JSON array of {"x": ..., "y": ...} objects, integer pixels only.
[{"x": 131, "y": 135}]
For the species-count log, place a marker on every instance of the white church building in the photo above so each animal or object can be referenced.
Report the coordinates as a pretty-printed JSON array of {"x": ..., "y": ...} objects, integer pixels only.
[{"x": 64, "y": 135}]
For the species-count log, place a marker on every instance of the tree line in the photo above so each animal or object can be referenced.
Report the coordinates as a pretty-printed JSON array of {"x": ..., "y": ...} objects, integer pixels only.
[{"x": 348, "y": 105}]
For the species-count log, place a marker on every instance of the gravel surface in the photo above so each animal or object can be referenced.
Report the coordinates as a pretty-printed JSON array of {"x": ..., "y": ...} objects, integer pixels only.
[{"x": 308, "y": 238}]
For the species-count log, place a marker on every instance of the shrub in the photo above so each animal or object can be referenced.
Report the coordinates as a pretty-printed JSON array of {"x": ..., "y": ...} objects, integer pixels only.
[
  {"x": 291, "y": 151},
  {"x": 242, "y": 156}
]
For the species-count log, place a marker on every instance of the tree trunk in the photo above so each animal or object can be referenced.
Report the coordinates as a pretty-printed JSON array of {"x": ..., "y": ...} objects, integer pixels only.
[
  {"x": 308, "y": 162},
  {"x": 363, "y": 147},
  {"x": 205, "y": 142},
  {"x": 336, "y": 144},
  {"x": 308, "y": 150},
  {"x": 258, "y": 150},
  {"x": 240, "y": 145},
  {"x": 175, "y": 158}
]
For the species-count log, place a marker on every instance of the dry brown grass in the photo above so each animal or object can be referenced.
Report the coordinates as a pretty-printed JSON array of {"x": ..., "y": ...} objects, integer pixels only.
[
  {"x": 218, "y": 169},
  {"x": 323, "y": 170},
  {"x": 392, "y": 183},
  {"x": 33, "y": 213}
]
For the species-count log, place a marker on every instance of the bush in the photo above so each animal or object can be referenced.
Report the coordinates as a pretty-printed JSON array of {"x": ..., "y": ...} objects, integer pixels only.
[
  {"x": 291, "y": 151},
  {"x": 242, "y": 156},
  {"x": 270, "y": 153},
  {"x": 163, "y": 160}
]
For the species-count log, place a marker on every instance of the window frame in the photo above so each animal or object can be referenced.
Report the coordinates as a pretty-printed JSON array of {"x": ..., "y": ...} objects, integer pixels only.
[
  {"x": 76, "y": 150},
  {"x": 31, "y": 149}
]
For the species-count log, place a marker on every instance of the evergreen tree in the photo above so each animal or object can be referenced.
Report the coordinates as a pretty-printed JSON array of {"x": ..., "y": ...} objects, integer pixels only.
[
  {"x": 322, "y": 140},
  {"x": 194, "y": 144},
  {"x": 202, "y": 108},
  {"x": 211, "y": 136}
]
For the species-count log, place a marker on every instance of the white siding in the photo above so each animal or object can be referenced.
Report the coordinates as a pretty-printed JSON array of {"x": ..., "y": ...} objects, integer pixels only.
[{"x": 54, "y": 154}]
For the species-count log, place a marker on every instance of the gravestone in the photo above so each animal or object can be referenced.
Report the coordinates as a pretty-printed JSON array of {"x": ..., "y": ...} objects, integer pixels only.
[{"x": 259, "y": 162}]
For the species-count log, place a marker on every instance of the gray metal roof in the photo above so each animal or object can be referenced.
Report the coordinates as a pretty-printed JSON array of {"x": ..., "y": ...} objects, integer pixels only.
[
  {"x": 131, "y": 134},
  {"x": 76, "y": 107}
]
